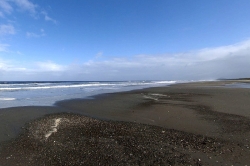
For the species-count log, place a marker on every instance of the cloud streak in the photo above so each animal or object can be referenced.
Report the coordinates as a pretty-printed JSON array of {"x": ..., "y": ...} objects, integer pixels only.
[
  {"x": 47, "y": 18},
  {"x": 23, "y": 5},
  {"x": 3, "y": 47},
  {"x": 50, "y": 66},
  {"x": 9, "y": 7},
  {"x": 6, "y": 29},
  {"x": 230, "y": 61},
  {"x": 26, "y": 6},
  {"x": 35, "y": 35},
  {"x": 6, "y": 7}
]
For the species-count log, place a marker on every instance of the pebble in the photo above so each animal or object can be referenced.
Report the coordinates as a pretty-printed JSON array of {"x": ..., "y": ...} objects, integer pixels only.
[{"x": 81, "y": 140}]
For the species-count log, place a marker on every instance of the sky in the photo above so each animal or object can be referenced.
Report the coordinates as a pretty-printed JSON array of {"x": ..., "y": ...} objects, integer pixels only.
[{"x": 113, "y": 40}]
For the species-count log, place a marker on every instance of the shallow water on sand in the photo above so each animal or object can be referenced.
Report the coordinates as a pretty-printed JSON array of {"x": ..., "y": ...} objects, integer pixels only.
[
  {"x": 13, "y": 94},
  {"x": 238, "y": 85}
]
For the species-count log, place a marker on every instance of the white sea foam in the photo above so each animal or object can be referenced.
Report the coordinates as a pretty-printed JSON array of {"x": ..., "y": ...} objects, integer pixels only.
[
  {"x": 53, "y": 87},
  {"x": 165, "y": 82},
  {"x": 7, "y": 99}
]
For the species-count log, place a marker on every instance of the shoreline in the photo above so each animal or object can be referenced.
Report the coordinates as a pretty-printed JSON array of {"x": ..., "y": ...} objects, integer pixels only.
[
  {"x": 197, "y": 102},
  {"x": 199, "y": 109}
]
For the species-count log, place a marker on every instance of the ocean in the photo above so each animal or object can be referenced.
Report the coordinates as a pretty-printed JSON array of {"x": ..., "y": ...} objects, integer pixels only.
[{"x": 33, "y": 93}]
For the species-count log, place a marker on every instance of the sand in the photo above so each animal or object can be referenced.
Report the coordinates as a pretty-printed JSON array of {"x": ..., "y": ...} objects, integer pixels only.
[{"x": 184, "y": 124}]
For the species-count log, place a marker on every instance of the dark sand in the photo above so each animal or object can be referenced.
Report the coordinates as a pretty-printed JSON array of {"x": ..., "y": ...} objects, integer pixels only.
[{"x": 184, "y": 124}]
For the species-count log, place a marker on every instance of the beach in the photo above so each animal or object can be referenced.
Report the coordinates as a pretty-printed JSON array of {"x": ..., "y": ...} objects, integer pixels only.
[{"x": 198, "y": 123}]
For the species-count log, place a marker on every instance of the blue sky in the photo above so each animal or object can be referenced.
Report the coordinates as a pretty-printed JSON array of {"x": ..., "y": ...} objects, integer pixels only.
[{"x": 124, "y": 39}]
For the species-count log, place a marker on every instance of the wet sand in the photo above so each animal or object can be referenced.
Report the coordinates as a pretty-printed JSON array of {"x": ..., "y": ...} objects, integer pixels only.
[{"x": 184, "y": 124}]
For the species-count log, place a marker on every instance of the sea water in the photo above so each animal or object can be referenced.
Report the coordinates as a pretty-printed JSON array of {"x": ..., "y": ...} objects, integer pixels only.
[
  {"x": 13, "y": 94},
  {"x": 238, "y": 85}
]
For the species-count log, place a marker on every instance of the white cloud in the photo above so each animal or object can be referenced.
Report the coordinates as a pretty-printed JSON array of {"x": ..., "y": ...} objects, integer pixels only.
[
  {"x": 220, "y": 52},
  {"x": 211, "y": 63},
  {"x": 6, "y": 7},
  {"x": 99, "y": 54},
  {"x": 26, "y": 6},
  {"x": 19, "y": 53},
  {"x": 7, "y": 29},
  {"x": 35, "y": 35},
  {"x": 10, "y": 66},
  {"x": 9, "y": 7},
  {"x": 227, "y": 61},
  {"x": 2, "y": 65},
  {"x": 31, "y": 35},
  {"x": 49, "y": 66},
  {"x": 1, "y": 14},
  {"x": 3, "y": 47},
  {"x": 47, "y": 18}
]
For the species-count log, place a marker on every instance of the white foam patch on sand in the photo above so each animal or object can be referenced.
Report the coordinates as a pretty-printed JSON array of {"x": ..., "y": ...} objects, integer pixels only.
[
  {"x": 53, "y": 127},
  {"x": 161, "y": 95},
  {"x": 149, "y": 97},
  {"x": 154, "y": 96}
]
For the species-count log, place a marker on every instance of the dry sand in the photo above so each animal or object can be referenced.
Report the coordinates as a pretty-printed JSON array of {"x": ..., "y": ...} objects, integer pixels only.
[{"x": 184, "y": 124}]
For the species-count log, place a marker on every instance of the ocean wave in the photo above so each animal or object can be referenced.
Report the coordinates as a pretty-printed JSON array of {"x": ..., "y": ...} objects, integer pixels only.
[
  {"x": 41, "y": 86},
  {"x": 165, "y": 82},
  {"x": 7, "y": 99},
  {"x": 52, "y": 87},
  {"x": 47, "y": 93}
]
